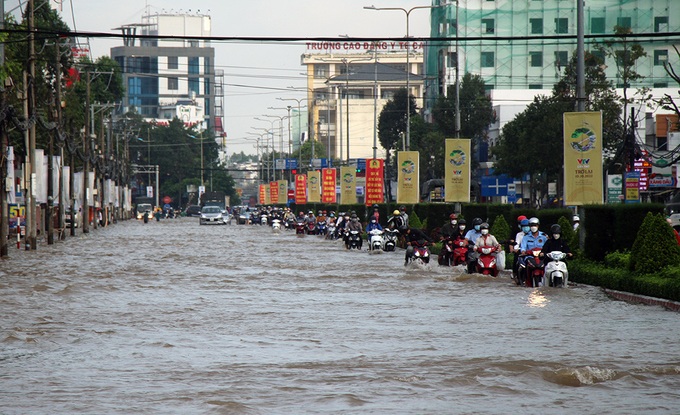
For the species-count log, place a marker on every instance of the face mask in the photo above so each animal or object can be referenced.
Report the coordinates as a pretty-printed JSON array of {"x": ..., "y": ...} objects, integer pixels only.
[
  {"x": 461, "y": 227},
  {"x": 534, "y": 229},
  {"x": 525, "y": 229},
  {"x": 485, "y": 231},
  {"x": 477, "y": 227},
  {"x": 453, "y": 222},
  {"x": 556, "y": 235}
]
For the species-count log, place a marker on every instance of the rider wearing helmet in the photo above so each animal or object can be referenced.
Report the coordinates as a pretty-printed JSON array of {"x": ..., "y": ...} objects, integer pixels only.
[
  {"x": 404, "y": 215},
  {"x": 535, "y": 239},
  {"x": 375, "y": 213},
  {"x": 486, "y": 239},
  {"x": 396, "y": 220},
  {"x": 472, "y": 235},
  {"x": 371, "y": 226},
  {"x": 310, "y": 219},
  {"x": 555, "y": 242},
  {"x": 353, "y": 225}
]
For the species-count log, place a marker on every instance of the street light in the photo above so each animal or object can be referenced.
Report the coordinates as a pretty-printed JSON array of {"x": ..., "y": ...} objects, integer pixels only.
[
  {"x": 299, "y": 101},
  {"x": 269, "y": 131},
  {"x": 280, "y": 118},
  {"x": 408, "y": 62}
]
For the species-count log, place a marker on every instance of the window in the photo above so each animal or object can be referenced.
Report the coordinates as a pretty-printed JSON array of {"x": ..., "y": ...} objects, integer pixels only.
[
  {"x": 451, "y": 60},
  {"x": 660, "y": 84},
  {"x": 193, "y": 65},
  {"x": 561, "y": 25},
  {"x": 173, "y": 83},
  {"x": 536, "y": 26},
  {"x": 488, "y": 59},
  {"x": 623, "y": 22},
  {"x": 206, "y": 65},
  {"x": 193, "y": 85},
  {"x": 193, "y": 43},
  {"x": 453, "y": 26},
  {"x": 488, "y": 26},
  {"x": 561, "y": 58},
  {"x": 660, "y": 57},
  {"x": 172, "y": 62},
  {"x": 321, "y": 70},
  {"x": 535, "y": 86},
  {"x": 206, "y": 86},
  {"x": 661, "y": 24},
  {"x": 536, "y": 59},
  {"x": 662, "y": 143},
  {"x": 599, "y": 55},
  {"x": 597, "y": 25},
  {"x": 206, "y": 104}
]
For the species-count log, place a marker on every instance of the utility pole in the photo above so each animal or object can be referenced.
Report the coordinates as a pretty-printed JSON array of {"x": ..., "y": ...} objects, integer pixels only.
[
  {"x": 62, "y": 202},
  {"x": 4, "y": 226},
  {"x": 31, "y": 228},
  {"x": 86, "y": 161}
]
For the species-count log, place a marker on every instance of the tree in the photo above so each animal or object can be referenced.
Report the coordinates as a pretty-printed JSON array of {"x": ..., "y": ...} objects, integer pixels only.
[
  {"x": 306, "y": 151},
  {"x": 476, "y": 111},
  {"x": 667, "y": 101}
]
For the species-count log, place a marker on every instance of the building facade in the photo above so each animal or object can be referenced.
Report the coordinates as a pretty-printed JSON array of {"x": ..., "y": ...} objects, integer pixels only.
[
  {"x": 343, "y": 78},
  {"x": 162, "y": 72}
]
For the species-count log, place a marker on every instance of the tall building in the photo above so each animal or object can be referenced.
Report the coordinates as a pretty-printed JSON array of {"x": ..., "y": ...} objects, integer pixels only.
[
  {"x": 161, "y": 72},
  {"x": 517, "y": 44},
  {"x": 341, "y": 79}
]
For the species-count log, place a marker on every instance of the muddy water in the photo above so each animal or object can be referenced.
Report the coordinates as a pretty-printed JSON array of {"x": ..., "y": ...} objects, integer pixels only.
[{"x": 177, "y": 318}]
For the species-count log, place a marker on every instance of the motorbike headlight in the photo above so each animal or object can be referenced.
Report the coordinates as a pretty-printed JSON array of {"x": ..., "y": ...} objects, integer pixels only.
[{"x": 417, "y": 253}]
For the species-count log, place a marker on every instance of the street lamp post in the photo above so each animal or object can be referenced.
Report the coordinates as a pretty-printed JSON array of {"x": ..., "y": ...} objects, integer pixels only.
[
  {"x": 408, "y": 62},
  {"x": 347, "y": 62},
  {"x": 299, "y": 101}
]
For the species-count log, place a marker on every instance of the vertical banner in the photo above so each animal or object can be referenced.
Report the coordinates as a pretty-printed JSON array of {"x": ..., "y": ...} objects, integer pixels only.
[
  {"x": 283, "y": 192},
  {"x": 273, "y": 192},
  {"x": 267, "y": 199},
  {"x": 375, "y": 179},
  {"x": 263, "y": 194},
  {"x": 457, "y": 170},
  {"x": 583, "y": 158},
  {"x": 314, "y": 184},
  {"x": 408, "y": 177},
  {"x": 300, "y": 189},
  {"x": 348, "y": 185},
  {"x": 328, "y": 194}
]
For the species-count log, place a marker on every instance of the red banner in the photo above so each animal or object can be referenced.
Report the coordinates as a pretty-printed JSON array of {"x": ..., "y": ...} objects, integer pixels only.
[
  {"x": 300, "y": 189},
  {"x": 375, "y": 180},
  {"x": 274, "y": 192},
  {"x": 263, "y": 194},
  {"x": 328, "y": 194}
]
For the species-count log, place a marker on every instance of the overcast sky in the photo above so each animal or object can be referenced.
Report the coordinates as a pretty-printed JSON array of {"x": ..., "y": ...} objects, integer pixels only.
[{"x": 262, "y": 72}]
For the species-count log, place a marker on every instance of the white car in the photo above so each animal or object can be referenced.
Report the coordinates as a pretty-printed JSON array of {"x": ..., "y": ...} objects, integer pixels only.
[{"x": 212, "y": 215}]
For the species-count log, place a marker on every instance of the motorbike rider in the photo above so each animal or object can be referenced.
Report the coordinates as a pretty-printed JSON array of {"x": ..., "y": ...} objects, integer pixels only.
[
  {"x": 310, "y": 218},
  {"x": 576, "y": 221},
  {"x": 413, "y": 236},
  {"x": 472, "y": 236},
  {"x": 352, "y": 225},
  {"x": 533, "y": 239},
  {"x": 523, "y": 225},
  {"x": 372, "y": 225},
  {"x": 555, "y": 243},
  {"x": 448, "y": 231},
  {"x": 375, "y": 213},
  {"x": 486, "y": 239},
  {"x": 404, "y": 215},
  {"x": 396, "y": 219},
  {"x": 289, "y": 218}
]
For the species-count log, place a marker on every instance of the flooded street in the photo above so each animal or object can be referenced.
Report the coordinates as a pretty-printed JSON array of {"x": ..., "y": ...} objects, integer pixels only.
[{"x": 177, "y": 318}]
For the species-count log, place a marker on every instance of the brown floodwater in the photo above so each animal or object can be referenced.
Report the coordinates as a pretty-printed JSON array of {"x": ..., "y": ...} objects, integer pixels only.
[{"x": 177, "y": 318}]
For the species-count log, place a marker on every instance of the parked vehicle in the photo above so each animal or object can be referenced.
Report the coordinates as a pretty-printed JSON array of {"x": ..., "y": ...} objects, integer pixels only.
[
  {"x": 556, "y": 273},
  {"x": 193, "y": 210}
]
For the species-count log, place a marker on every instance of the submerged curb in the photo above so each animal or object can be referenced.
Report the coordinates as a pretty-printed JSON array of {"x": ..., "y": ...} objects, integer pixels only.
[{"x": 637, "y": 298}]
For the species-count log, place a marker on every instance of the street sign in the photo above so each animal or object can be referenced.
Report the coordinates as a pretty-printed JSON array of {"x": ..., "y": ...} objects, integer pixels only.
[
  {"x": 496, "y": 185},
  {"x": 360, "y": 164},
  {"x": 320, "y": 163},
  {"x": 512, "y": 193},
  {"x": 285, "y": 164}
]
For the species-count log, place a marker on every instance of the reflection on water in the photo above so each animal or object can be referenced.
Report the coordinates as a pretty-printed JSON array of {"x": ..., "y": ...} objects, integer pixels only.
[{"x": 177, "y": 318}]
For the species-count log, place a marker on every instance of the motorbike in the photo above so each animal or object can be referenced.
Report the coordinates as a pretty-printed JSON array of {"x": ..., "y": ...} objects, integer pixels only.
[
  {"x": 311, "y": 228},
  {"x": 421, "y": 253},
  {"x": 556, "y": 273},
  {"x": 290, "y": 224},
  {"x": 390, "y": 239},
  {"x": 300, "y": 228},
  {"x": 263, "y": 219},
  {"x": 321, "y": 228},
  {"x": 532, "y": 272},
  {"x": 486, "y": 262},
  {"x": 375, "y": 240},
  {"x": 354, "y": 240},
  {"x": 454, "y": 252},
  {"x": 276, "y": 225},
  {"x": 330, "y": 232}
]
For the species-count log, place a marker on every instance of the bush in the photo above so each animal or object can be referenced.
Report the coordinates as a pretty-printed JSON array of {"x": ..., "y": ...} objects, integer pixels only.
[
  {"x": 655, "y": 246},
  {"x": 500, "y": 229},
  {"x": 617, "y": 260},
  {"x": 414, "y": 221}
]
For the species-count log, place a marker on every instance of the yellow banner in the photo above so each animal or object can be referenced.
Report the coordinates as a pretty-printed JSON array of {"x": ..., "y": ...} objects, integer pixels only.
[
  {"x": 457, "y": 170},
  {"x": 314, "y": 186},
  {"x": 267, "y": 196},
  {"x": 348, "y": 185},
  {"x": 583, "y": 181},
  {"x": 408, "y": 177},
  {"x": 283, "y": 192}
]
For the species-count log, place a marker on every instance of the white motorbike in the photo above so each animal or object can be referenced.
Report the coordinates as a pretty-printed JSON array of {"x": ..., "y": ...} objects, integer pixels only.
[
  {"x": 263, "y": 220},
  {"x": 276, "y": 225},
  {"x": 390, "y": 239},
  {"x": 375, "y": 240},
  {"x": 556, "y": 273},
  {"x": 330, "y": 232}
]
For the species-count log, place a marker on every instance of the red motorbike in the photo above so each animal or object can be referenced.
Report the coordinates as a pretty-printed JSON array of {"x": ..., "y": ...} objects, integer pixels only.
[
  {"x": 454, "y": 252},
  {"x": 420, "y": 252},
  {"x": 532, "y": 272},
  {"x": 311, "y": 228},
  {"x": 300, "y": 228},
  {"x": 486, "y": 263}
]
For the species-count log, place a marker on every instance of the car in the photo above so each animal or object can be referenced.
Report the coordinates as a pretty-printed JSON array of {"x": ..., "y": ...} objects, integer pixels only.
[
  {"x": 675, "y": 220},
  {"x": 212, "y": 214},
  {"x": 193, "y": 210},
  {"x": 144, "y": 209}
]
